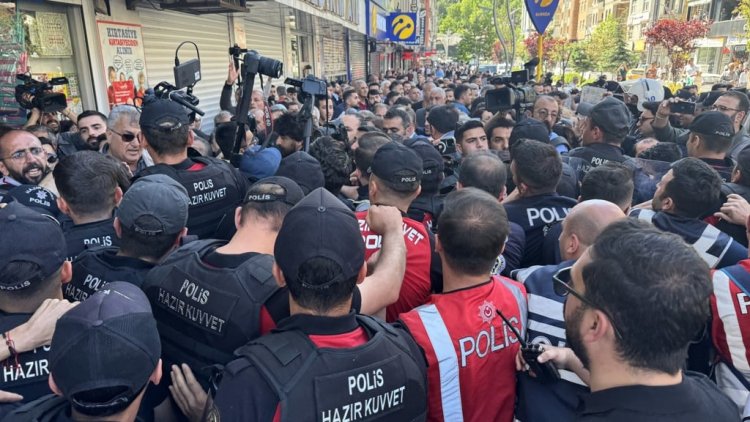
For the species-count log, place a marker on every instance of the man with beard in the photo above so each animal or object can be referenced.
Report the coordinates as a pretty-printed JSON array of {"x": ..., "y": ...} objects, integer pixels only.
[
  {"x": 92, "y": 128},
  {"x": 22, "y": 160},
  {"x": 614, "y": 294},
  {"x": 289, "y": 129},
  {"x": 688, "y": 192}
]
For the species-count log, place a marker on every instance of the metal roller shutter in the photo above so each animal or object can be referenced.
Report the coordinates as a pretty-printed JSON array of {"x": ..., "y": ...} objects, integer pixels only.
[
  {"x": 334, "y": 58},
  {"x": 357, "y": 55},
  {"x": 163, "y": 31}
]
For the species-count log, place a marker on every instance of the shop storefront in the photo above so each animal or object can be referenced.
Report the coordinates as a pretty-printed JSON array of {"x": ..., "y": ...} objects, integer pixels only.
[{"x": 46, "y": 41}]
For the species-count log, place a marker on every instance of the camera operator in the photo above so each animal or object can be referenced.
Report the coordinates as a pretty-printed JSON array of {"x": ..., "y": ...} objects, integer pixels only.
[
  {"x": 257, "y": 100},
  {"x": 49, "y": 119},
  {"x": 214, "y": 187}
]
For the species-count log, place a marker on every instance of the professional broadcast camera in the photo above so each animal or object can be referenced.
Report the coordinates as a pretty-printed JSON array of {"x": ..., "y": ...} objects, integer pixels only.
[
  {"x": 37, "y": 94},
  {"x": 511, "y": 96},
  {"x": 186, "y": 75},
  {"x": 310, "y": 86},
  {"x": 167, "y": 91}
]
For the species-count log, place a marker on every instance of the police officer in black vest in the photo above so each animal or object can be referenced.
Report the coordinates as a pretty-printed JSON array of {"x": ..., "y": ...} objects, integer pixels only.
[
  {"x": 32, "y": 269},
  {"x": 150, "y": 222},
  {"x": 606, "y": 126},
  {"x": 323, "y": 362},
  {"x": 214, "y": 187},
  {"x": 90, "y": 186}
]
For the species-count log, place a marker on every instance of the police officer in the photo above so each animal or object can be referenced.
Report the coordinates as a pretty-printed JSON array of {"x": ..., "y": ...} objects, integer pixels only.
[
  {"x": 395, "y": 176},
  {"x": 534, "y": 205},
  {"x": 557, "y": 400},
  {"x": 427, "y": 205},
  {"x": 323, "y": 362},
  {"x": 32, "y": 269},
  {"x": 105, "y": 352},
  {"x": 607, "y": 125},
  {"x": 459, "y": 329},
  {"x": 90, "y": 186},
  {"x": 214, "y": 187},
  {"x": 709, "y": 140},
  {"x": 149, "y": 223}
]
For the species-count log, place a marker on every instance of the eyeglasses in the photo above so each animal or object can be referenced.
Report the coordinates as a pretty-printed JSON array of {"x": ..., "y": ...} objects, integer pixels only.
[
  {"x": 721, "y": 108},
  {"x": 21, "y": 155},
  {"x": 544, "y": 113},
  {"x": 563, "y": 286},
  {"x": 127, "y": 137}
]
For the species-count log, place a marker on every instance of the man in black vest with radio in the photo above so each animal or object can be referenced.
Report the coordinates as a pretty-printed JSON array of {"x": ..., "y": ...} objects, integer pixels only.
[
  {"x": 214, "y": 187},
  {"x": 366, "y": 368}
]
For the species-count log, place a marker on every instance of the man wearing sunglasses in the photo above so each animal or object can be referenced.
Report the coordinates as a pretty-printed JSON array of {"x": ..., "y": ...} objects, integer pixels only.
[
  {"x": 122, "y": 135},
  {"x": 630, "y": 314},
  {"x": 546, "y": 323},
  {"x": 23, "y": 160}
]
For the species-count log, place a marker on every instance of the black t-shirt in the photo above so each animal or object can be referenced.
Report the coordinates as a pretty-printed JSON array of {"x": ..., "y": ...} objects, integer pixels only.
[
  {"x": 696, "y": 398},
  {"x": 535, "y": 214},
  {"x": 30, "y": 377},
  {"x": 80, "y": 237},
  {"x": 594, "y": 155}
]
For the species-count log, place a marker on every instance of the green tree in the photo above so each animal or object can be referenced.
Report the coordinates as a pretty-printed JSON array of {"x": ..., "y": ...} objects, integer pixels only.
[
  {"x": 580, "y": 60},
  {"x": 472, "y": 20},
  {"x": 608, "y": 48}
]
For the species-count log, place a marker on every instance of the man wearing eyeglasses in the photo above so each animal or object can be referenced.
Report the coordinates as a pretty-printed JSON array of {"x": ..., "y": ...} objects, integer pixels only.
[
  {"x": 618, "y": 294},
  {"x": 546, "y": 323},
  {"x": 547, "y": 110},
  {"x": 22, "y": 160},
  {"x": 122, "y": 133},
  {"x": 735, "y": 104}
]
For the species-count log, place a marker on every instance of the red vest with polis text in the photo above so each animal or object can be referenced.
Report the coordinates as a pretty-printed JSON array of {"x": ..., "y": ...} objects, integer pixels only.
[
  {"x": 470, "y": 352},
  {"x": 730, "y": 315},
  {"x": 416, "y": 287}
]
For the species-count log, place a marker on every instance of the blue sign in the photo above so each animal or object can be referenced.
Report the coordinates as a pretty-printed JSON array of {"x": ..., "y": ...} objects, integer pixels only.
[
  {"x": 402, "y": 27},
  {"x": 377, "y": 26},
  {"x": 541, "y": 13}
]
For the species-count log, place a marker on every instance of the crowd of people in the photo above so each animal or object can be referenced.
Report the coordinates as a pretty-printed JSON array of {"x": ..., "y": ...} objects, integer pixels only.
[{"x": 424, "y": 254}]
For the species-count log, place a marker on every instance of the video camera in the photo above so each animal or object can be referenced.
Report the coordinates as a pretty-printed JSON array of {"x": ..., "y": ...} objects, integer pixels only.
[
  {"x": 310, "y": 85},
  {"x": 337, "y": 132},
  {"x": 36, "y": 94},
  {"x": 516, "y": 95}
]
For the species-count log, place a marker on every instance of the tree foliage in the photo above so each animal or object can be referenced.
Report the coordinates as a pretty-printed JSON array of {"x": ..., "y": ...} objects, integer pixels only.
[
  {"x": 677, "y": 37},
  {"x": 552, "y": 48},
  {"x": 608, "y": 47},
  {"x": 472, "y": 20}
]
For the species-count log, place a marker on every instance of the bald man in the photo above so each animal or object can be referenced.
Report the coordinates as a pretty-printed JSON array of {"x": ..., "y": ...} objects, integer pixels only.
[
  {"x": 557, "y": 400},
  {"x": 22, "y": 160}
]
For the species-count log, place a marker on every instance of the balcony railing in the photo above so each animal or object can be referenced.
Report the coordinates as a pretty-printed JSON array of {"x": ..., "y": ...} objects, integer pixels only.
[{"x": 728, "y": 28}]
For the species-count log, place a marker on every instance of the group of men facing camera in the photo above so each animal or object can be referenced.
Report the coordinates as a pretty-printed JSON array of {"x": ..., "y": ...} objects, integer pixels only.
[{"x": 379, "y": 277}]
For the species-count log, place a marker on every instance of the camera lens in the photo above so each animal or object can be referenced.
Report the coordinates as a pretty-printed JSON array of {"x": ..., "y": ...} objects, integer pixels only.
[{"x": 270, "y": 67}]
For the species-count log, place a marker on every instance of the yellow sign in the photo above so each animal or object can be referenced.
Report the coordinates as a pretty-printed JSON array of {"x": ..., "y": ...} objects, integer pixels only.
[{"x": 403, "y": 27}]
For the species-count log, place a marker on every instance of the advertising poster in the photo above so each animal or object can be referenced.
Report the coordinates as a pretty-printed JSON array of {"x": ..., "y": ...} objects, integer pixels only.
[{"x": 124, "y": 62}]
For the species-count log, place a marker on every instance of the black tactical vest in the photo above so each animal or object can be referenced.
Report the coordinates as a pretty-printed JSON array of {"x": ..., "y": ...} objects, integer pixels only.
[
  {"x": 205, "y": 313},
  {"x": 214, "y": 191},
  {"x": 384, "y": 378},
  {"x": 94, "y": 268}
]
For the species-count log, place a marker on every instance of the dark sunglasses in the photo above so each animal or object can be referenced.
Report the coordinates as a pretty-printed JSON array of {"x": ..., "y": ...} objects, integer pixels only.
[
  {"x": 127, "y": 137},
  {"x": 563, "y": 285}
]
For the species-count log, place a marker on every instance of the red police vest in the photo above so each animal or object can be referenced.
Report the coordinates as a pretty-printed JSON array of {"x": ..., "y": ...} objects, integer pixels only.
[
  {"x": 471, "y": 373},
  {"x": 416, "y": 287},
  {"x": 730, "y": 315}
]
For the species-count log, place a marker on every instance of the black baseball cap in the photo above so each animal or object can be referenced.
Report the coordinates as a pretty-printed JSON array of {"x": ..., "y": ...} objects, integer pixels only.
[
  {"x": 35, "y": 197},
  {"x": 432, "y": 165},
  {"x": 291, "y": 196},
  {"x": 153, "y": 205},
  {"x": 163, "y": 114},
  {"x": 529, "y": 129},
  {"x": 108, "y": 341},
  {"x": 398, "y": 165},
  {"x": 612, "y": 116},
  {"x": 320, "y": 226},
  {"x": 304, "y": 169},
  {"x": 28, "y": 236},
  {"x": 713, "y": 123}
]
